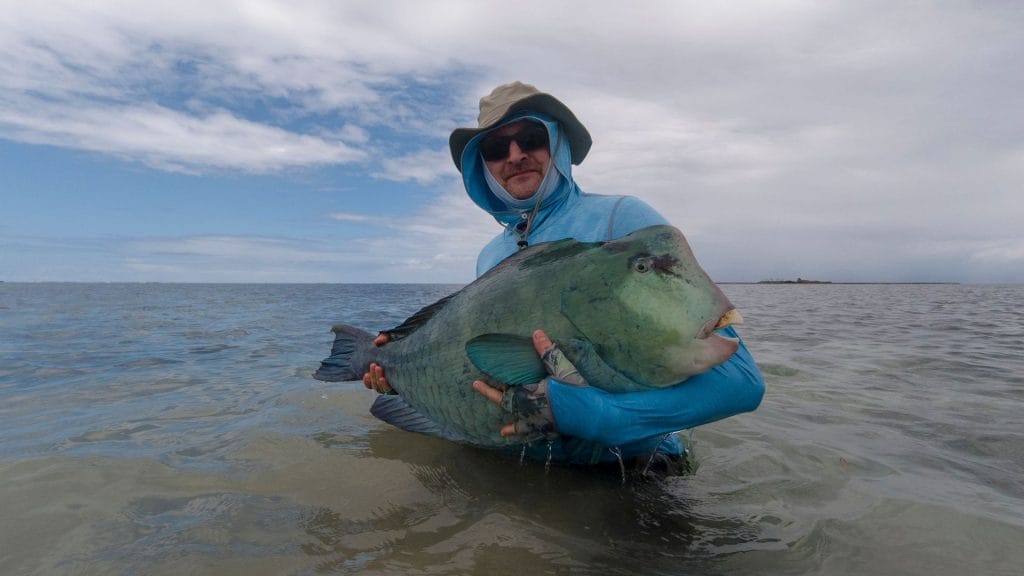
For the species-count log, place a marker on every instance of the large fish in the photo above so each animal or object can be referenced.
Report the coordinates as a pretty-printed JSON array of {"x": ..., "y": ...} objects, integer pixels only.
[{"x": 635, "y": 313}]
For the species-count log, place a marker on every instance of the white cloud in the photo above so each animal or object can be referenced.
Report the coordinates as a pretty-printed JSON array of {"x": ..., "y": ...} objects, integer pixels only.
[
  {"x": 436, "y": 244},
  {"x": 171, "y": 140},
  {"x": 251, "y": 258},
  {"x": 349, "y": 217},
  {"x": 1004, "y": 252},
  {"x": 423, "y": 167},
  {"x": 98, "y": 77}
]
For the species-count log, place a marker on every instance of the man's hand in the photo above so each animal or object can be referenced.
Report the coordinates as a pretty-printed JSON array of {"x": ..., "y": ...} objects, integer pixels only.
[
  {"x": 374, "y": 379},
  {"x": 528, "y": 404}
]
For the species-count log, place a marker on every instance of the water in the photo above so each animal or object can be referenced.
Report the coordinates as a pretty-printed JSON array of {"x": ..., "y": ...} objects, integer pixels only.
[{"x": 168, "y": 429}]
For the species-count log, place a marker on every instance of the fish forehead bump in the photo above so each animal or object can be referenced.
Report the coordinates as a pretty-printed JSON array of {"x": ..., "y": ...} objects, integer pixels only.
[{"x": 656, "y": 239}]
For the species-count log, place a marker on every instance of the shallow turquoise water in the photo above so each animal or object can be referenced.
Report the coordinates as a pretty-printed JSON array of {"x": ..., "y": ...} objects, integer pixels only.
[{"x": 150, "y": 429}]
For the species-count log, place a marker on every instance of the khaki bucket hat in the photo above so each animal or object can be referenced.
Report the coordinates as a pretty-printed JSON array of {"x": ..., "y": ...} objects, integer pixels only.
[{"x": 506, "y": 100}]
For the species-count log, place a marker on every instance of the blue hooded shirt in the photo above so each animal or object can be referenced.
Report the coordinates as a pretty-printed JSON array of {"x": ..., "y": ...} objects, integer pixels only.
[{"x": 591, "y": 421}]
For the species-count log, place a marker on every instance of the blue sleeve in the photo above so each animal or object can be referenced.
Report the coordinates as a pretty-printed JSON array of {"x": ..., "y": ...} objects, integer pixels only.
[{"x": 590, "y": 413}]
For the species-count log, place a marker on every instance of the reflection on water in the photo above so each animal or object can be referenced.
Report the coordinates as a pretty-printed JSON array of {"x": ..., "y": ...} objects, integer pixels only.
[{"x": 558, "y": 517}]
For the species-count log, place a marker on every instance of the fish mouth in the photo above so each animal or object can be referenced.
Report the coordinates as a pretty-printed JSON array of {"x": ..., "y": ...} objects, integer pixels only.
[
  {"x": 731, "y": 317},
  {"x": 713, "y": 347}
]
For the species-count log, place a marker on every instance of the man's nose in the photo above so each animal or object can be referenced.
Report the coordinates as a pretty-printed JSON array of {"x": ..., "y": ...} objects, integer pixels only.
[{"x": 515, "y": 154}]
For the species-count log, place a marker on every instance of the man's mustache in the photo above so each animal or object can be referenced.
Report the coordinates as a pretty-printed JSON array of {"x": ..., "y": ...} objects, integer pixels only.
[{"x": 527, "y": 165}]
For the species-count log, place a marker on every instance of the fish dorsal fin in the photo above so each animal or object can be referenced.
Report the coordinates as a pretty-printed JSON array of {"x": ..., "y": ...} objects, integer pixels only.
[
  {"x": 548, "y": 252},
  {"x": 507, "y": 358},
  {"x": 540, "y": 254},
  {"x": 412, "y": 323}
]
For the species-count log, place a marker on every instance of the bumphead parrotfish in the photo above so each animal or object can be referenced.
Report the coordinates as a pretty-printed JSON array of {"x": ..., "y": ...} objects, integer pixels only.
[{"x": 635, "y": 313}]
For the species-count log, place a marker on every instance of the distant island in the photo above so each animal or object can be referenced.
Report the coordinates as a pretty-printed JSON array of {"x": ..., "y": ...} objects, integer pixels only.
[{"x": 797, "y": 281}]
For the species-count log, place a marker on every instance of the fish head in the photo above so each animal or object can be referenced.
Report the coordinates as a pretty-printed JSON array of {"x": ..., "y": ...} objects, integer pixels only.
[{"x": 649, "y": 309}]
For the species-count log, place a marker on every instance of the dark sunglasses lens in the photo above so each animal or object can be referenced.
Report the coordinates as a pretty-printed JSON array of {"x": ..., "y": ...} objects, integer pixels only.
[
  {"x": 494, "y": 148},
  {"x": 532, "y": 137}
]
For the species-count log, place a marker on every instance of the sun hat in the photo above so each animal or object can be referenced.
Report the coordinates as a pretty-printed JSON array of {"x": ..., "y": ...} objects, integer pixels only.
[{"x": 509, "y": 99}]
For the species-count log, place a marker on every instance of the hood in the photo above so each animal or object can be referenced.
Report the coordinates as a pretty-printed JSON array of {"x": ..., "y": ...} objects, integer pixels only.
[{"x": 556, "y": 188}]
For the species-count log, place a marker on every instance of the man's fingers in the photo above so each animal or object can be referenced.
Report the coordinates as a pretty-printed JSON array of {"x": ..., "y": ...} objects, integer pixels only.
[
  {"x": 382, "y": 385},
  {"x": 541, "y": 342},
  {"x": 374, "y": 379},
  {"x": 492, "y": 394},
  {"x": 381, "y": 339},
  {"x": 555, "y": 362}
]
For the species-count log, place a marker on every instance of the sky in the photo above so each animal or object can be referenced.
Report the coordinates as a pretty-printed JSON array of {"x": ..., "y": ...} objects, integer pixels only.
[{"x": 306, "y": 141}]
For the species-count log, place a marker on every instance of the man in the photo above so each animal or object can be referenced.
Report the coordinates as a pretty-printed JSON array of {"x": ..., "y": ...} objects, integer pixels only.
[{"x": 517, "y": 166}]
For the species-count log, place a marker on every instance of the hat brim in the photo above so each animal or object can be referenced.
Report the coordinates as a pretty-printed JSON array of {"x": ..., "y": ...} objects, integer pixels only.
[{"x": 579, "y": 137}]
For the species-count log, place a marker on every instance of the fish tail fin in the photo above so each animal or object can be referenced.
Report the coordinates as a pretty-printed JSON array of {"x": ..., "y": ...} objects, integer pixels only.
[{"x": 350, "y": 355}]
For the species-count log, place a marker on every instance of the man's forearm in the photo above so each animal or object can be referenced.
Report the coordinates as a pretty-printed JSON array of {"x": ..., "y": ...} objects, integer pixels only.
[{"x": 614, "y": 419}]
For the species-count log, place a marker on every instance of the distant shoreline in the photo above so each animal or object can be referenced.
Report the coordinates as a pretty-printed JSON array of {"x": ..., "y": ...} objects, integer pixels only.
[{"x": 829, "y": 282}]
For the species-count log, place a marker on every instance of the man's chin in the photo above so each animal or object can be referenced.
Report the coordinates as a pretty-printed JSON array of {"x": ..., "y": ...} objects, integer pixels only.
[{"x": 523, "y": 186}]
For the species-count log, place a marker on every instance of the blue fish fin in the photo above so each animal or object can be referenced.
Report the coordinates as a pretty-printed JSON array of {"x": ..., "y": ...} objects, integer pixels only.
[
  {"x": 349, "y": 355},
  {"x": 421, "y": 317},
  {"x": 507, "y": 358},
  {"x": 395, "y": 411}
]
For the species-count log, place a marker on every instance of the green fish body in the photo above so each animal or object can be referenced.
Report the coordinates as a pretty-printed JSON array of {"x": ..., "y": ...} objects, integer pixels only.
[{"x": 634, "y": 313}]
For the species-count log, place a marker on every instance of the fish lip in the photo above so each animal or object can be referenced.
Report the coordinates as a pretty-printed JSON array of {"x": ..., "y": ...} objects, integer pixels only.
[{"x": 728, "y": 318}]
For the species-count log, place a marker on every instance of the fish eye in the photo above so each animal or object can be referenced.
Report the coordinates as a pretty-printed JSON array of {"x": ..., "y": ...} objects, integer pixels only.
[{"x": 642, "y": 265}]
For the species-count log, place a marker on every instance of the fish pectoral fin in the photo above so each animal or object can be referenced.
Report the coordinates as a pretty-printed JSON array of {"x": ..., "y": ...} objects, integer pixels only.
[
  {"x": 396, "y": 411},
  {"x": 595, "y": 370},
  {"x": 507, "y": 358}
]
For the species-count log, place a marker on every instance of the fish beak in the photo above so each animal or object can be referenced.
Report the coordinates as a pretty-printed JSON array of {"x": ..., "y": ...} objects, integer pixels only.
[
  {"x": 716, "y": 348},
  {"x": 729, "y": 318}
]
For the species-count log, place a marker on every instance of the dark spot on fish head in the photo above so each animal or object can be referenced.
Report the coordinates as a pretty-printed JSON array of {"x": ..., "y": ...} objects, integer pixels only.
[
  {"x": 662, "y": 264},
  {"x": 665, "y": 263}
]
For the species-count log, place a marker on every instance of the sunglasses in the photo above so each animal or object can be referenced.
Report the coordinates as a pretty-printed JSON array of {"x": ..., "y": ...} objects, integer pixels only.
[{"x": 531, "y": 137}]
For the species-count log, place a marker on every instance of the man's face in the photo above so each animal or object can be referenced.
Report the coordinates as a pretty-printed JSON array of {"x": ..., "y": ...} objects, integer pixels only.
[{"x": 524, "y": 162}]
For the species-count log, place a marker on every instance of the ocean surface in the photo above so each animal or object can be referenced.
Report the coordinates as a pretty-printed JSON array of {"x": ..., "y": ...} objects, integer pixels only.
[{"x": 175, "y": 429}]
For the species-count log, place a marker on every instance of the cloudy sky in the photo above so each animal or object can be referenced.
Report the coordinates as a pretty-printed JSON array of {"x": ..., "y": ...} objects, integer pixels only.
[{"x": 285, "y": 141}]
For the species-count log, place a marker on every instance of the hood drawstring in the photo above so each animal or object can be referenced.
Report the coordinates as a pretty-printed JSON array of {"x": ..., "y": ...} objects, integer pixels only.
[{"x": 521, "y": 230}]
